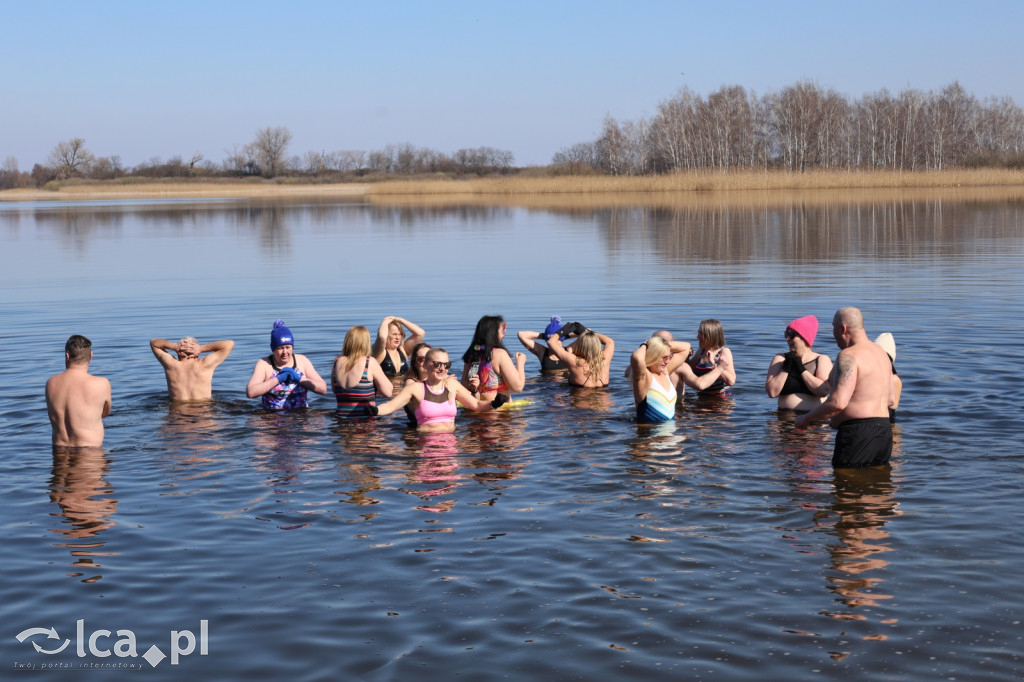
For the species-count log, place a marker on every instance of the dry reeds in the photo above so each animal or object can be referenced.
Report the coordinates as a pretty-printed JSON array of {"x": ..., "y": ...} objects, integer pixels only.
[{"x": 701, "y": 181}]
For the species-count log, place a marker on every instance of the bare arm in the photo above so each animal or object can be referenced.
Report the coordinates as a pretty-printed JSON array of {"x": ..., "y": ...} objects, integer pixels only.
[
  {"x": 416, "y": 334},
  {"x": 818, "y": 382},
  {"x": 467, "y": 399},
  {"x": 514, "y": 374},
  {"x": 382, "y": 336},
  {"x": 529, "y": 341},
  {"x": 262, "y": 379},
  {"x": 108, "y": 401},
  {"x": 560, "y": 351},
  {"x": 640, "y": 378},
  {"x": 311, "y": 380},
  {"x": 844, "y": 380},
  {"x": 160, "y": 348},
  {"x": 686, "y": 374},
  {"x": 383, "y": 385},
  {"x": 408, "y": 392},
  {"x": 776, "y": 377},
  {"x": 895, "y": 391},
  {"x": 680, "y": 352},
  {"x": 218, "y": 352},
  {"x": 728, "y": 367}
]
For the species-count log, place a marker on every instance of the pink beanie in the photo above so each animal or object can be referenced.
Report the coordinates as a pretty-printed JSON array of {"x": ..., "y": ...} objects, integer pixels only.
[{"x": 806, "y": 327}]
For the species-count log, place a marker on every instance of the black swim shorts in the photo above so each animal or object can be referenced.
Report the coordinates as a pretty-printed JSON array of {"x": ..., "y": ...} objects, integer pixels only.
[{"x": 863, "y": 443}]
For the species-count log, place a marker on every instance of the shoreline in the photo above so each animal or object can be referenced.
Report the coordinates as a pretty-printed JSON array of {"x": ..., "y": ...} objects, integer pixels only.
[{"x": 704, "y": 185}]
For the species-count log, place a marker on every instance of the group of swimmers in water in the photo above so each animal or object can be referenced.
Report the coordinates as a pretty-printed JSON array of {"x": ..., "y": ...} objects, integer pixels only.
[{"x": 415, "y": 377}]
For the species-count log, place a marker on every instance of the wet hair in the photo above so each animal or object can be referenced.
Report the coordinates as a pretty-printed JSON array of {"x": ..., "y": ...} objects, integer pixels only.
[
  {"x": 79, "y": 349},
  {"x": 434, "y": 352},
  {"x": 588, "y": 349},
  {"x": 356, "y": 347},
  {"x": 485, "y": 339},
  {"x": 412, "y": 374},
  {"x": 401, "y": 330},
  {"x": 656, "y": 348},
  {"x": 712, "y": 333}
]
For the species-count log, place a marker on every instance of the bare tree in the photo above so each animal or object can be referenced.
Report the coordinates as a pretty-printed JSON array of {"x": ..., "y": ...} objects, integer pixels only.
[
  {"x": 70, "y": 158},
  {"x": 269, "y": 149}
]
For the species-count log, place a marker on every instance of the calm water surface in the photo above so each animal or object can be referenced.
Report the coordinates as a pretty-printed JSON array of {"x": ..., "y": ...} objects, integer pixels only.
[{"x": 557, "y": 541}]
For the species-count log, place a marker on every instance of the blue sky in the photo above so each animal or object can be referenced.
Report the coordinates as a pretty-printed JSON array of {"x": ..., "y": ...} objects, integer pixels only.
[{"x": 146, "y": 79}]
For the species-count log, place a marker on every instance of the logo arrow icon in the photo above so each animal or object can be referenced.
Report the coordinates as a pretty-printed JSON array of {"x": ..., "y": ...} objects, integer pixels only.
[
  {"x": 55, "y": 651},
  {"x": 50, "y": 634},
  {"x": 25, "y": 634}
]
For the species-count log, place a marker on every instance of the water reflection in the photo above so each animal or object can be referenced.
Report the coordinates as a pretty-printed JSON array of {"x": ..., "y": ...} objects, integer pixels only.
[
  {"x": 743, "y": 228},
  {"x": 434, "y": 469},
  {"x": 78, "y": 486},
  {"x": 865, "y": 500}
]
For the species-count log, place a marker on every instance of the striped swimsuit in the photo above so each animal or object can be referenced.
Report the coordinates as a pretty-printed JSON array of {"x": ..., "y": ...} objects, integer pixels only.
[
  {"x": 352, "y": 401},
  {"x": 659, "y": 405}
]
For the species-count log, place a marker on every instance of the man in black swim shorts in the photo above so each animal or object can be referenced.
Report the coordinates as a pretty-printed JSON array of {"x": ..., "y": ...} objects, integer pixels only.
[{"x": 858, "y": 403}]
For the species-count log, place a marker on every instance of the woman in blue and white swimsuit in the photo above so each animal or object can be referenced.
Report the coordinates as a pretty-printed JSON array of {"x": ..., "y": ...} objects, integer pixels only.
[{"x": 652, "y": 365}]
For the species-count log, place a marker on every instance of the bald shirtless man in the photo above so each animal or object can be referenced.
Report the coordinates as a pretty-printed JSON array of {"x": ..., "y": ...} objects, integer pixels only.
[
  {"x": 76, "y": 401},
  {"x": 858, "y": 404},
  {"x": 189, "y": 376}
]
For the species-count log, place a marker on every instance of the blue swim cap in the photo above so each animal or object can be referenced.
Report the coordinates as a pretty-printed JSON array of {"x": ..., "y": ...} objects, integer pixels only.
[
  {"x": 280, "y": 335},
  {"x": 554, "y": 326}
]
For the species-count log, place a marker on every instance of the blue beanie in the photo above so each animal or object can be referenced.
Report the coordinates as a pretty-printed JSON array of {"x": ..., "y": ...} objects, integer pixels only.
[
  {"x": 553, "y": 326},
  {"x": 280, "y": 335}
]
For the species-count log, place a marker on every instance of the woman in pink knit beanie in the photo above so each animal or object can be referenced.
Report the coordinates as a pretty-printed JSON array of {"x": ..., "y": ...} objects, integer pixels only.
[{"x": 799, "y": 377}]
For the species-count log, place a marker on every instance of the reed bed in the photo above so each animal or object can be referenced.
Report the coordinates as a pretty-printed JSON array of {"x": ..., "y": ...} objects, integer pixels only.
[
  {"x": 702, "y": 181},
  {"x": 701, "y": 186}
]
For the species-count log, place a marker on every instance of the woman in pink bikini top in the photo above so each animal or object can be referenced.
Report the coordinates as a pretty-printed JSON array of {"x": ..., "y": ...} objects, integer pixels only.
[{"x": 433, "y": 399}]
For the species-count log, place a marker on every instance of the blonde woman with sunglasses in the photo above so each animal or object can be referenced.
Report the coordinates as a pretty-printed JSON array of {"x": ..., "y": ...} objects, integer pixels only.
[{"x": 433, "y": 400}]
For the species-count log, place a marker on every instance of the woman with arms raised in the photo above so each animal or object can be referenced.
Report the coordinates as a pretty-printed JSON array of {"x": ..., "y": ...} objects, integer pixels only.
[
  {"x": 799, "y": 377},
  {"x": 532, "y": 342},
  {"x": 488, "y": 368},
  {"x": 652, "y": 365},
  {"x": 357, "y": 377},
  {"x": 392, "y": 349},
  {"x": 433, "y": 399},
  {"x": 588, "y": 359}
]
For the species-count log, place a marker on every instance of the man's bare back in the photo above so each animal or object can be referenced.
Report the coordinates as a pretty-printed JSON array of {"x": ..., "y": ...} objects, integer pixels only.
[
  {"x": 190, "y": 374},
  {"x": 861, "y": 378},
  {"x": 76, "y": 401}
]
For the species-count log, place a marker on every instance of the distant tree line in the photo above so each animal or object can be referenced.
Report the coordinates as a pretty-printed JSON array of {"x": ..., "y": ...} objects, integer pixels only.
[
  {"x": 266, "y": 156},
  {"x": 805, "y": 126},
  {"x": 801, "y": 127}
]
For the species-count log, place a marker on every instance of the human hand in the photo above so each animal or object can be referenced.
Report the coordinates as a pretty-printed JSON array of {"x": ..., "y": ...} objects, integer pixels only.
[
  {"x": 288, "y": 375},
  {"x": 520, "y": 358},
  {"x": 791, "y": 363}
]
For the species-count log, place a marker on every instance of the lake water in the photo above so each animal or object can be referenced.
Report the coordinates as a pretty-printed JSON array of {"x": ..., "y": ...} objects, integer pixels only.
[{"x": 557, "y": 541}]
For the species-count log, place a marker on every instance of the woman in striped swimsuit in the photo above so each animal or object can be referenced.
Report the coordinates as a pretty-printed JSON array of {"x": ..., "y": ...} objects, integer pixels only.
[{"x": 357, "y": 377}]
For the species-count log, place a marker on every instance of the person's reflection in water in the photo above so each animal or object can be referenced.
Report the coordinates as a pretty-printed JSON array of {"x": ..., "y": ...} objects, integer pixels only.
[
  {"x": 78, "y": 487},
  {"x": 434, "y": 464},
  {"x": 865, "y": 500},
  {"x": 359, "y": 437}
]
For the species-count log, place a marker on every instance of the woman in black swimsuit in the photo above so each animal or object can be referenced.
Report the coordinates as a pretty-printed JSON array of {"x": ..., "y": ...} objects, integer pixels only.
[
  {"x": 799, "y": 378},
  {"x": 392, "y": 349}
]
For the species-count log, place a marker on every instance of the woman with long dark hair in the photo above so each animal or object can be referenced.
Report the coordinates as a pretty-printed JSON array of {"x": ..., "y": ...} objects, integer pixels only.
[{"x": 489, "y": 369}]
